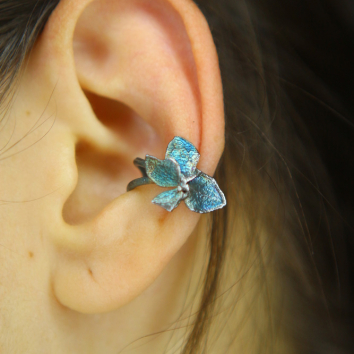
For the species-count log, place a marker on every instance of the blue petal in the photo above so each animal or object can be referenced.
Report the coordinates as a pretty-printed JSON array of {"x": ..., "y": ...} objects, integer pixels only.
[
  {"x": 165, "y": 173},
  {"x": 185, "y": 154},
  {"x": 204, "y": 194},
  {"x": 169, "y": 199}
]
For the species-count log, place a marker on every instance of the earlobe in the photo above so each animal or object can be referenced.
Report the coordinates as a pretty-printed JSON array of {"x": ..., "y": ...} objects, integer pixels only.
[{"x": 158, "y": 60}]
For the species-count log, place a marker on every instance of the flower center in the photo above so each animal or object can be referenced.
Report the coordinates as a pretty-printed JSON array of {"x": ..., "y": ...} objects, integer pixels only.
[{"x": 183, "y": 187}]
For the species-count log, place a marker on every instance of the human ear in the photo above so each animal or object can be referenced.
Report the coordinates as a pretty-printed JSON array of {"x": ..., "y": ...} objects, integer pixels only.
[{"x": 127, "y": 76}]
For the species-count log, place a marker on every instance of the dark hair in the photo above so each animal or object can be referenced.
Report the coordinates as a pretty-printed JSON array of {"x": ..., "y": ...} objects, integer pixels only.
[
  {"x": 272, "y": 169},
  {"x": 20, "y": 24}
]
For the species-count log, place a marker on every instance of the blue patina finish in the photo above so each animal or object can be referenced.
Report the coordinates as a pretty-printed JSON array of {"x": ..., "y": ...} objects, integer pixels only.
[
  {"x": 169, "y": 199},
  {"x": 204, "y": 194},
  {"x": 165, "y": 173},
  {"x": 186, "y": 155},
  {"x": 200, "y": 192}
]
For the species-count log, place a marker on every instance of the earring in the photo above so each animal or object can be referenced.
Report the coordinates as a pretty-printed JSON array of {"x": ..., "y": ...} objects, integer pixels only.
[{"x": 199, "y": 191}]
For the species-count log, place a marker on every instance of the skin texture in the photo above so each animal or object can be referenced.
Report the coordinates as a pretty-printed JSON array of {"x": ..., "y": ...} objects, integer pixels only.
[{"x": 107, "y": 81}]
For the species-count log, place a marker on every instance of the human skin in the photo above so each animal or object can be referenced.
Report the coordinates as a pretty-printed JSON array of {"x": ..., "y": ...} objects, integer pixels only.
[{"x": 89, "y": 268}]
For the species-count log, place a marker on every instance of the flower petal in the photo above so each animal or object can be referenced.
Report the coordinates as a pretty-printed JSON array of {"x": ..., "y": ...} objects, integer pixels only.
[
  {"x": 204, "y": 194},
  {"x": 186, "y": 155},
  {"x": 168, "y": 199},
  {"x": 165, "y": 173}
]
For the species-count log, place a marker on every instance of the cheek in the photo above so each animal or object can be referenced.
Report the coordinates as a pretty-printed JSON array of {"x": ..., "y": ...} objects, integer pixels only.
[
  {"x": 36, "y": 174},
  {"x": 40, "y": 167}
]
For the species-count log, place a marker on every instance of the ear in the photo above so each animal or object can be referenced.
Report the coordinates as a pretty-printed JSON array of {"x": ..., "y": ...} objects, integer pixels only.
[{"x": 128, "y": 76}]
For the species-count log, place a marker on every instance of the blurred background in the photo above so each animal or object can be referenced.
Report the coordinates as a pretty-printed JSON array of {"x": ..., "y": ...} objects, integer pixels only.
[{"x": 320, "y": 34}]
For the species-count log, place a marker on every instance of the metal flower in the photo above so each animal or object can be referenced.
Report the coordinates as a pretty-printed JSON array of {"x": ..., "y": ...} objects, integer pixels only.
[{"x": 199, "y": 191}]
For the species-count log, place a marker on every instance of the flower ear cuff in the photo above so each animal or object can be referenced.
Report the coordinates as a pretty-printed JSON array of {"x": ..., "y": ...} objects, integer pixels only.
[{"x": 199, "y": 191}]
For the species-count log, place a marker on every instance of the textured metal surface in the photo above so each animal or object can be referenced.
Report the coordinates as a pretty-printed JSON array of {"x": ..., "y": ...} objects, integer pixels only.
[
  {"x": 165, "y": 173},
  {"x": 204, "y": 194},
  {"x": 185, "y": 153},
  {"x": 140, "y": 164},
  {"x": 169, "y": 199},
  {"x": 200, "y": 192},
  {"x": 138, "y": 182}
]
